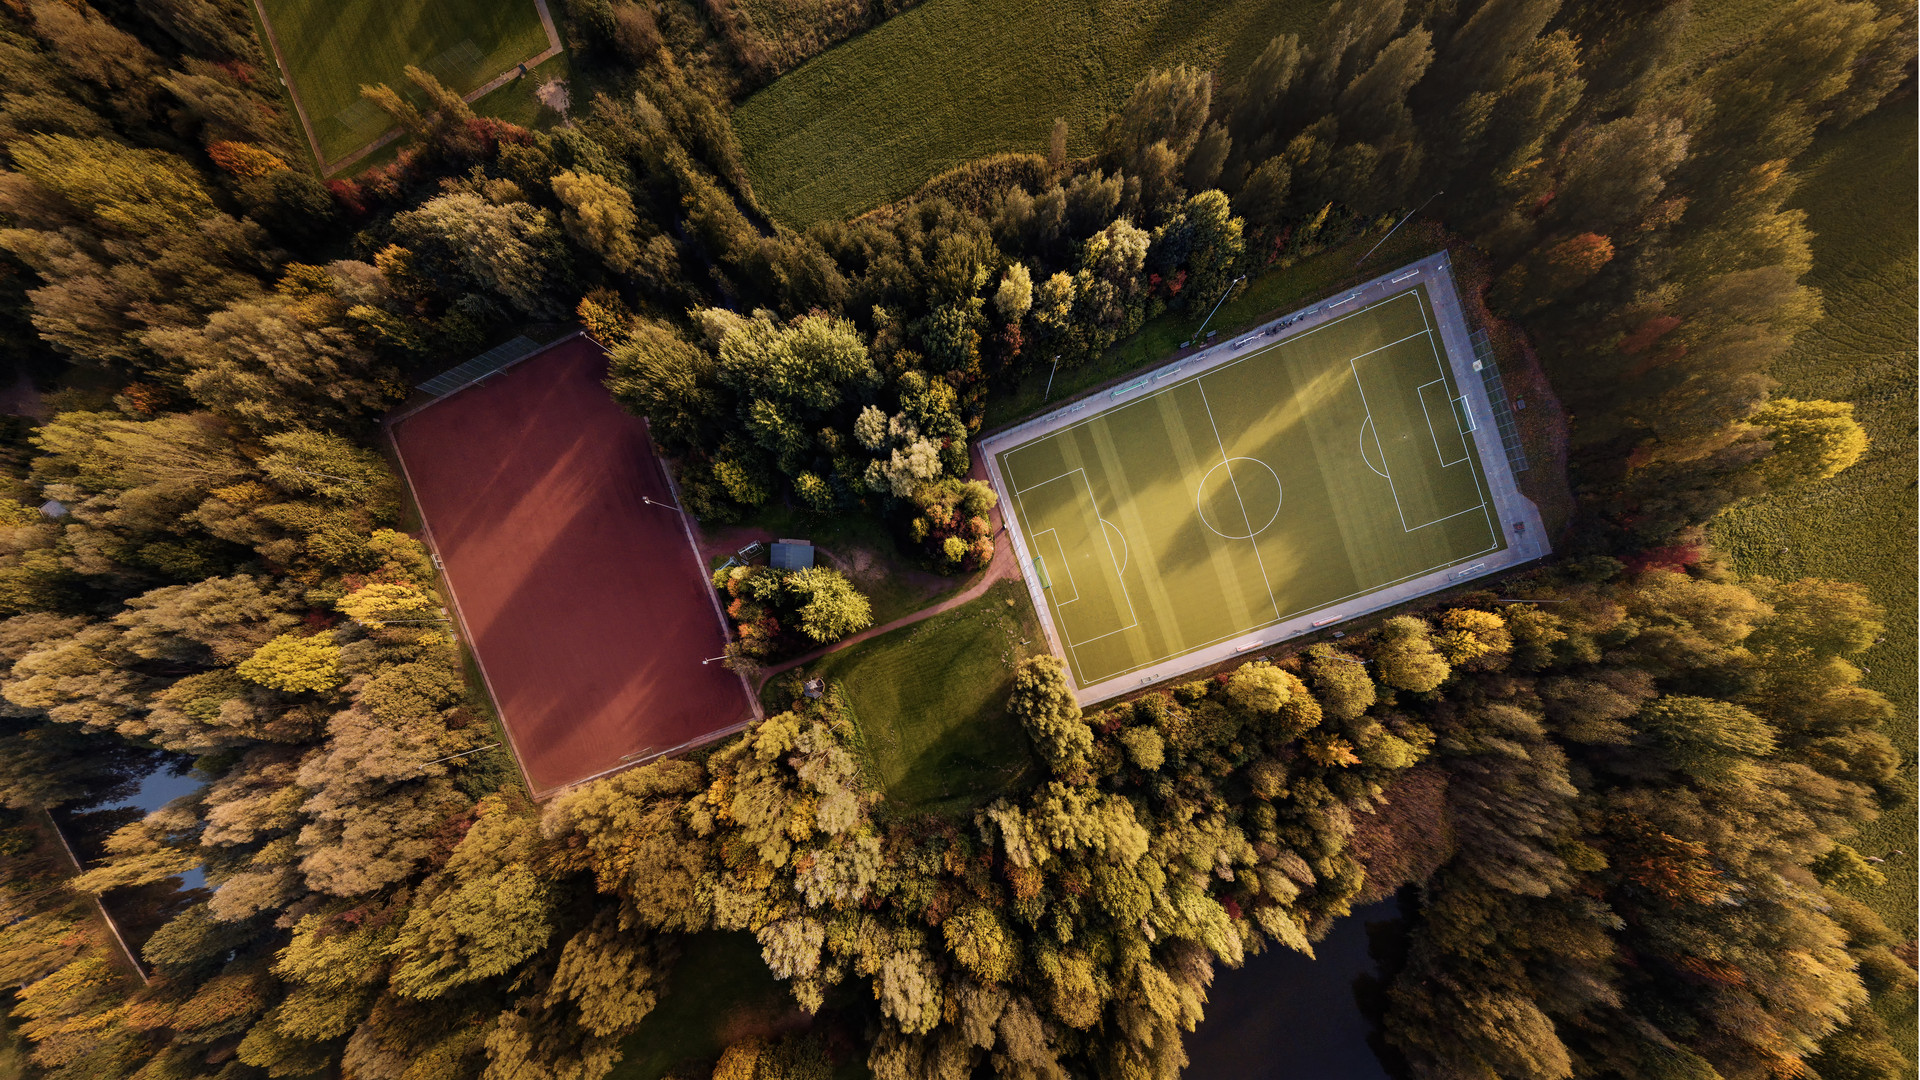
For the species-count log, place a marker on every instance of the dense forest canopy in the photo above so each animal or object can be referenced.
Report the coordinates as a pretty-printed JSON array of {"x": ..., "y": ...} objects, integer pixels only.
[{"x": 1626, "y": 805}]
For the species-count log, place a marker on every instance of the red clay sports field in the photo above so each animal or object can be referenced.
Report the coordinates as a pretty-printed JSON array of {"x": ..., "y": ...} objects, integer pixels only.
[{"x": 586, "y": 606}]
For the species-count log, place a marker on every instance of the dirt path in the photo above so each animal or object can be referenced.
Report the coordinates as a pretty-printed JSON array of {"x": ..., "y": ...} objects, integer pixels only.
[
  {"x": 1004, "y": 565},
  {"x": 1001, "y": 567}
]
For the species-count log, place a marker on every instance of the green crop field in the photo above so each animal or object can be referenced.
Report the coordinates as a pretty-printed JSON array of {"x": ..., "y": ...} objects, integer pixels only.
[
  {"x": 952, "y": 80},
  {"x": 330, "y": 50},
  {"x": 1860, "y": 194},
  {"x": 931, "y": 700},
  {"x": 1285, "y": 482}
]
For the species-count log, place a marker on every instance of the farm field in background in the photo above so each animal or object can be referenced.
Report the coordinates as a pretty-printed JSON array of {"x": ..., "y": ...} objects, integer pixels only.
[
  {"x": 332, "y": 49},
  {"x": 1859, "y": 196},
  {"x": 952, "y": 80}
]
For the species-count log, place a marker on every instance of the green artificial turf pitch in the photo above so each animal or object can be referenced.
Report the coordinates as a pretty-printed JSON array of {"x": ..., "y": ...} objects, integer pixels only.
[
  {"x": 331, "y": 49},
  {"x": 1324, "y": 467}
]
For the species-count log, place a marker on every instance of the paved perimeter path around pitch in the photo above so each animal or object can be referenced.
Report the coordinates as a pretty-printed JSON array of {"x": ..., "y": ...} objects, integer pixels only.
[{"x": 585, "y": 605}]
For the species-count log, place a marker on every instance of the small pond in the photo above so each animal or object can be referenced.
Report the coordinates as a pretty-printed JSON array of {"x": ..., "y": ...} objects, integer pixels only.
[
  {"x": 143, "y": 786},
  {"x": 1282, "y": 1016}
]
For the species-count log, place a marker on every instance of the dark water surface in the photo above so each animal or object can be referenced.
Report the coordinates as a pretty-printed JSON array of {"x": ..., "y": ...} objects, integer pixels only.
[{"x": 1282, "y": 1016}]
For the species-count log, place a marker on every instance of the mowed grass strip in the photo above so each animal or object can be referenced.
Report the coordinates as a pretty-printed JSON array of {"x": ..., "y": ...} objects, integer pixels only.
[
  {"x": 931, "y": 700},
  {"x": 951, "y": 80},
  {"x": 1860, "y": 195},
  {"x": 332, "y": 49}
]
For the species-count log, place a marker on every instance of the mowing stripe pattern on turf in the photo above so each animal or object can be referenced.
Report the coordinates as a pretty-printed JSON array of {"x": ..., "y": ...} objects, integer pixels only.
[{"x": 1322, "y": 466}]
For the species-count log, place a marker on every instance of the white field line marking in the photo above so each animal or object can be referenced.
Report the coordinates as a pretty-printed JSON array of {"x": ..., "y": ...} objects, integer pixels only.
[
  {"x": 1066, "y": 562},
  {"x": 1366, "y": 426},
  {"x": 1049, "y": 480},
  {"x": 1111, "y": 409},
  {"x": 1482, "y": 486},
  {"x": 1437, "y": 452},
  {"x": 1132, "y": 615},
  {"x": 1066, "y": 569},
  {"x": 1376, "y": 438},
  {"x": 1449, "y": 517},
  {"x": 1316, "y": 606},
  {"x": 1244, "y": 516},
  {"x": 1391, "y": 487},
  {"x": 1389, "y": 345},
  {"x": 1125, "y": 551}
]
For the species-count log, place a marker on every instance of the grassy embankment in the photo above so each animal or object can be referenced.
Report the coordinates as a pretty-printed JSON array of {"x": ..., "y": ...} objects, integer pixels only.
[
  {"x": 931, "y": 701},
  {"x": 1859, "y": 195},
  {"x": 953, "y": 80}
]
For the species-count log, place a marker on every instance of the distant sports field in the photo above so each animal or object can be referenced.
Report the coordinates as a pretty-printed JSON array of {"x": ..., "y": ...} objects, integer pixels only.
[
  {"x": 331, "y": 48},
  {"x": 1292, "y": 476}
]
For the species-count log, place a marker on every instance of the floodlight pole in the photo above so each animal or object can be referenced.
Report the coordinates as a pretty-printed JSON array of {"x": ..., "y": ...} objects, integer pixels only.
[
  {"x": 711, "y": 659},
  {"x": 661, "y": 505},
  {"x": 1396, "y": 228},
  {"x": 1050, "y": 375},
  {"x": 1216, "y": 306}
]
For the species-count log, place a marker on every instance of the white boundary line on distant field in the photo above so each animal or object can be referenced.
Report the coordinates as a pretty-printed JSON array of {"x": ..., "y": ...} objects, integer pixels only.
[
  {"x": 1518, "y": 520},
  {"x": 328, "y": 168}
]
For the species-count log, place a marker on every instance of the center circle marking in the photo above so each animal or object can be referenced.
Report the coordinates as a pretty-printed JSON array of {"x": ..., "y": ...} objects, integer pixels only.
[{"x": 1252, "y": 483}]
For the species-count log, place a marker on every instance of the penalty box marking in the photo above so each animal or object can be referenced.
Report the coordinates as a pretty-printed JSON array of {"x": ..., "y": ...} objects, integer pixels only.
[
  {"x": 1065, "y": 563},
  {"x": 1392, "y": 488}
]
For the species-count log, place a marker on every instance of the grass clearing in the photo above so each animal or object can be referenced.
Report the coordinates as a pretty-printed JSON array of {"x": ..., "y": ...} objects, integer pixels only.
[
  {"x": 332, "y": 49},
  {"x": 858, "y": 545},
  {"x": 720, "y": 991},
  {"x": 952, "y": 80},
  {"x": 1860, "y": 194},
  {"x": 931, "y": 700},
  {"x": 517, "y": 103}
]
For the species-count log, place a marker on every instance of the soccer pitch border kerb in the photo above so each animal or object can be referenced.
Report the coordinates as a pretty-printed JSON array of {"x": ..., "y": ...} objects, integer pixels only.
[{"x": 1516, "y": 516}]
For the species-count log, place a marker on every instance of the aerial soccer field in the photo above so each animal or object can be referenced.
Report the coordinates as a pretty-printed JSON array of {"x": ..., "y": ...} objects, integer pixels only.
[{"x": 1328, "y": 464}]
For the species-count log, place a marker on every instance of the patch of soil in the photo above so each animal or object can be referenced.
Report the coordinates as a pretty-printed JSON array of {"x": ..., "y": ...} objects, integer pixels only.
[{"x": 554, "y": 95}]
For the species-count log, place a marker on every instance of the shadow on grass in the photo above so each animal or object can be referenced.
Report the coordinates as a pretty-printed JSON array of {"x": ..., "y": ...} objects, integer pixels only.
[
  {"x": 720, "y": 991},
  {"x": 930, "y": 701}
]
